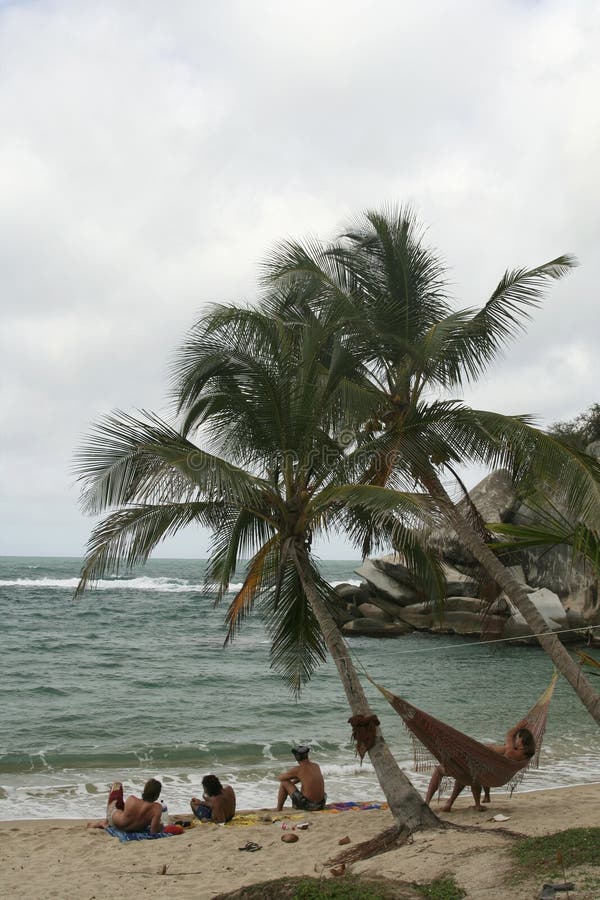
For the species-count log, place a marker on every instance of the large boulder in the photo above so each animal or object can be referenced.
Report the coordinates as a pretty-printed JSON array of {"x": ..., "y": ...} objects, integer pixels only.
[
  {"x": 393, "y": 565},
  {"x": 370, "y": 611},
  {"x": 496, "y": 500},
  {"x": 550, "y": 608},
  {"x": 384, "y": 585},
  {"x": 352, "y": 593},
  {"x": 371, "y": 628},
  {"x": 457, "y": 584},
  {"x": 471, "y": 615},
  {"x": 418, "y": 615}
]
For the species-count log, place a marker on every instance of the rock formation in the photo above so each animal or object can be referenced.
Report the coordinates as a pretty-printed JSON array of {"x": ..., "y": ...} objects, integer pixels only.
[{"x": 388, "y": 601}]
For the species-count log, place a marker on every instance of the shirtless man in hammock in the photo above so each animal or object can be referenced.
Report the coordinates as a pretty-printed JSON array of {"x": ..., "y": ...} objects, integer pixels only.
[{"x": 519, "y": 746}]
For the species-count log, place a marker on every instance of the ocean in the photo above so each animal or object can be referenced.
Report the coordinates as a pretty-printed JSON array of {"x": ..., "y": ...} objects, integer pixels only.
[{"x": 132, "y": 681}]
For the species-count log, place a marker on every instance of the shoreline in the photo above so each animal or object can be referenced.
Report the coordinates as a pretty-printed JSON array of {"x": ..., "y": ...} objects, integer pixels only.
[{"x": 61, "y": 858}]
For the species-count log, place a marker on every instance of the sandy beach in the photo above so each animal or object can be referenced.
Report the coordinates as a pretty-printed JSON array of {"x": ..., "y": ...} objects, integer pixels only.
[{"x": 63, "y": 859}]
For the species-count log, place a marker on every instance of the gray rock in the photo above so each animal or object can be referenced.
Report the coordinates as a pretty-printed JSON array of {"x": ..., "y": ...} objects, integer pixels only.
[
  {"x": 353, "y": 593},
  {"x": 465, "y": 622},
  {"x": 345, "y": 590},
  {"x": 494, "y": 498},
  {"x": 418, "y": 615},
  {"x": 458, "y": 584},
  {"x": 389, "y": 606},
  {"x": 383, "y": 584},
  {"x": 393, "y": 565},
  {"x": 371, "y": 628},
  {"x": 550, "y": 608},
  {"x": 370, "y": 611}
]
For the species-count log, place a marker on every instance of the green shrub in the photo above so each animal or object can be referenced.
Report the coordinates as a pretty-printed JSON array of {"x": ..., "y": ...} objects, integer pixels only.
[
  {"x": 441, "y": 889},
  {"x": 551, "y": 856}
]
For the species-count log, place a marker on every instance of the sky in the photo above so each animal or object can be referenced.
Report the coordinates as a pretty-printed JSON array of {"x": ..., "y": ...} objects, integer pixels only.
[{"x": 152, "y": 154}]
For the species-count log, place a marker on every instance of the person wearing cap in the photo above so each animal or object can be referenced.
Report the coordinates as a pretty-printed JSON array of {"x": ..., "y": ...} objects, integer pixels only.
[{"x": 303, "y": 783}]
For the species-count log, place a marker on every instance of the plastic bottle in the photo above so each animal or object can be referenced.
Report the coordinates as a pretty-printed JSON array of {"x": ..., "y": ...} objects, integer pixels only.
[{"x": 164, "y": 818}]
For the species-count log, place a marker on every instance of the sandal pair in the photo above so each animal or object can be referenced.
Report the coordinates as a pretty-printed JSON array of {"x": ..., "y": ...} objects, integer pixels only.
[{"x": 250, "y": 847}]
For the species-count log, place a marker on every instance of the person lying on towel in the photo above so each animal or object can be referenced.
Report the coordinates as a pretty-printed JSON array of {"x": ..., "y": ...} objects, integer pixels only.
[
  {"x": 133, "y": 814},
  {"x": 310, "y": 796},
  {"x": 218, "y": 801}
]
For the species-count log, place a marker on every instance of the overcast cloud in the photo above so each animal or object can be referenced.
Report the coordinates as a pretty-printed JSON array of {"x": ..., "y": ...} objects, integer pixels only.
[{"x": 152, "y": 153}]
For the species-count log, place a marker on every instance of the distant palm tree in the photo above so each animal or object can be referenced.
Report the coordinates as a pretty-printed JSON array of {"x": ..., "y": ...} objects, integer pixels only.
[
  {"x": 390, "y": 293},
  {"x": 267, "y": 399}
]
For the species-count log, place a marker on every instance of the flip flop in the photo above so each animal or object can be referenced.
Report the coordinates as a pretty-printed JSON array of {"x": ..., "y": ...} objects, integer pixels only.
[{"x": 250, "y": 847}]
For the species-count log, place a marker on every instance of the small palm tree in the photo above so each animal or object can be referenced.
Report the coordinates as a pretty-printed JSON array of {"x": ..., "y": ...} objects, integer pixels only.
[
  {"x": 390, "y": 292},
  {"x": 267, "y": 398}
]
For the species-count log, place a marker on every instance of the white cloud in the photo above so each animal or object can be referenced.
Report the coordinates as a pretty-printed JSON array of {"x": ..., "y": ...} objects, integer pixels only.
[{"x": 150, "y": 155}]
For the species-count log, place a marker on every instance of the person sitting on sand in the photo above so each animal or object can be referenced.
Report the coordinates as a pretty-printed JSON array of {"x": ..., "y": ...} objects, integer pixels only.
[
  {"x": 310, "y": 796},
  {"x": 218, "y": 801},
  {"x": 133, "y": 814},
  {"x": 519, "y": 745}
]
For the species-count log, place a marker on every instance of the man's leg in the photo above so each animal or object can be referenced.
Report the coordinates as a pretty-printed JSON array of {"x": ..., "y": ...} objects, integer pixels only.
[
  {"x": 200, "y": 809},
  {"x": 436, "y": 778},
  {"x": 115, "y": 802},
  {"x": 286, "y": 789},
  {"x": 456, "y": 790},
  {"x": 476, "y": 791},
  {"x": 486, "y": 795}
]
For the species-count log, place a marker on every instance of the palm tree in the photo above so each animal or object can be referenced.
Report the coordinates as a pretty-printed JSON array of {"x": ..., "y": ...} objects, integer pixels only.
[
  {"x": 267, "y": 398},
  {"x": 390, "y": 292}
]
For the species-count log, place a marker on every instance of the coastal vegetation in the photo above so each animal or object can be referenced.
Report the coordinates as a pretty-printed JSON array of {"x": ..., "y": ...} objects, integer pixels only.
[
  {"x": 322, "y": 408},
  {"x": 348, "y": 888},
  {"x": 556, "y": 857},
  {"x": 581, "y": 431},
  {"x": 390, "y": 292}
]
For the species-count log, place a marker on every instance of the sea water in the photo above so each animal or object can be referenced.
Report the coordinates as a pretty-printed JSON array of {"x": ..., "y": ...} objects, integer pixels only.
[{"x": 132, "y": 680}]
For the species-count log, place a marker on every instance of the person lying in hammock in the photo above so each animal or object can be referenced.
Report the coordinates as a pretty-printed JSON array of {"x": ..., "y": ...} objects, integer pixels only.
[{"x": 519, "y": 746}]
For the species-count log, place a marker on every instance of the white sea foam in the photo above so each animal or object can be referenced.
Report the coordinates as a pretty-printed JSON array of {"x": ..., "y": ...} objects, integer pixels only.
[
  {"x": 141, "y": 583},
  {"x": 83, "y": 794},
  {"x": 163, "y": 585}
]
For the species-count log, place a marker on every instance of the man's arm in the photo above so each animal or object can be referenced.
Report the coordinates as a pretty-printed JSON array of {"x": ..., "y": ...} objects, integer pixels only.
[
  {"x": 155, "y": 824},
  {"x": 510, "y": 735},
  {"x": 292, "y": 775}
]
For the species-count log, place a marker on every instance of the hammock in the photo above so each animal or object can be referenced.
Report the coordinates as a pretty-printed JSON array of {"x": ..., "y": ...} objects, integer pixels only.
[{"x": 462, "y": 757}]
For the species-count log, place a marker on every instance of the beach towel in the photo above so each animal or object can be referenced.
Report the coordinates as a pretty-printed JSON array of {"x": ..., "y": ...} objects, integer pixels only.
[
  {"x": 138, "y": 835},
  {"x": 354, "y": 806}
]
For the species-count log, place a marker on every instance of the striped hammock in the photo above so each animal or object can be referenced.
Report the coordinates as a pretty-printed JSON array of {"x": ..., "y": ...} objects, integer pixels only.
[{"x": 462, "y": 757}]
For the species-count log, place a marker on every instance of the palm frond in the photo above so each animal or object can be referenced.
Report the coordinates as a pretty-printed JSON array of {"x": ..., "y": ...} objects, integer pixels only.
[
  {"x": 297, "y": 646},
  {"x": 127, "y": 460},
  {"x": 127, "y": 537},
  {"x": 258, "y": 578},
  {"x": 485, "y": 333},
  {"x": 241, "y": 534}
]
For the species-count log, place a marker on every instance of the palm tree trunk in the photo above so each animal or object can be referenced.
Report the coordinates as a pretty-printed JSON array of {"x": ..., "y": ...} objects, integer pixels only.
[
  {"x": 563, "y": 660},
  {"x": 406, "y": 805}
]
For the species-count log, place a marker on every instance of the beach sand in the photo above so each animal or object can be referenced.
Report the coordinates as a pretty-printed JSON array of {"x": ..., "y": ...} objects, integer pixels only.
[{"x": 65, "y": 860}]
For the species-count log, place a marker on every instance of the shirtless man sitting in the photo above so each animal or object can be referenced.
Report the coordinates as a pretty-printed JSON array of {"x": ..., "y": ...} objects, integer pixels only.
[
  {"x": 310, "y": 796},
  {"x": 519, "y": 745},
  {"x": 218, "y": 801},
  {"x": 133, "y": 814}
]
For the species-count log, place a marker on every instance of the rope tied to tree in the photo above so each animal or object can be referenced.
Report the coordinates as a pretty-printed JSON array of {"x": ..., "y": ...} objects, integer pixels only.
[{"x": 364, "y": 733}]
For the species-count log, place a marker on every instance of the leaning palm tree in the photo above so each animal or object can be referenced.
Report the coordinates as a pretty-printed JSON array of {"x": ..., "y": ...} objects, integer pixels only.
[
  {"x": 390, "y": 292},
  {"x": 264, "y": 399}
]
